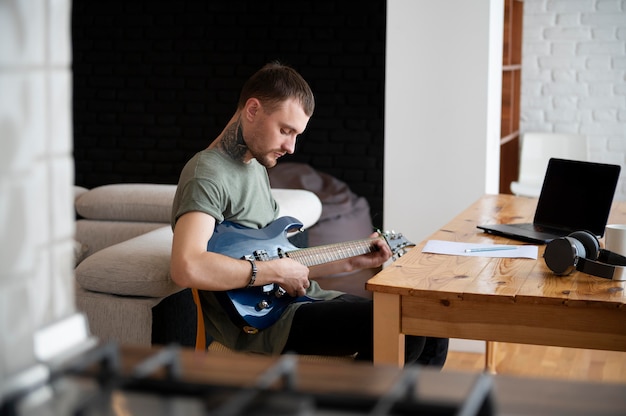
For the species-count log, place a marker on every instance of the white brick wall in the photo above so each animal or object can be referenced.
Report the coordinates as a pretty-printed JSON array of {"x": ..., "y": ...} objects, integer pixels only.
[
  {"x": 36, "y": 175},
  {"x": 574, "y": 74}
]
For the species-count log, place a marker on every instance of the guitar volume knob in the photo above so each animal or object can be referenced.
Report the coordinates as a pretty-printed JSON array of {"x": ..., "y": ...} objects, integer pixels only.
[{"x": 263, "y": 305}]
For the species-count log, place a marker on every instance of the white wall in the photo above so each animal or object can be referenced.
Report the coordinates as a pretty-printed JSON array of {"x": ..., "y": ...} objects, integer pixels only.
[
  {"x": 36, "y": 176},
  {"x": 442, "y": 110},
  {"x": 574, "y": 74}
]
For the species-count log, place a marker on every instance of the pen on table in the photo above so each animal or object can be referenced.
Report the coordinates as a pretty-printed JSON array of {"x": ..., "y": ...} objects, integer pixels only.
[{"x": 495, "y": 248}]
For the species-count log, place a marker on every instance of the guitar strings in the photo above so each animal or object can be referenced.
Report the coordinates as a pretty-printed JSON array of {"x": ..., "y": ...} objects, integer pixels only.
[{"x": 323, "y": 254}]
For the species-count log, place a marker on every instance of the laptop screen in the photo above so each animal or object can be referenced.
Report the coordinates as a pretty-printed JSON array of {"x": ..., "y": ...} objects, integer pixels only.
[{"x": 577, "y": 195}]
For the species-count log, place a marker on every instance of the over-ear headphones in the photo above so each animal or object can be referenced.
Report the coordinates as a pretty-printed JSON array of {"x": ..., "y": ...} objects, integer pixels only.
[{"x": 581, "y": 251}]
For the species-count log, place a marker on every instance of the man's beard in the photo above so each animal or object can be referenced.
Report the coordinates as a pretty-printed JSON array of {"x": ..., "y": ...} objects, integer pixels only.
[
  {"x": 265, "y": 160},
  {"x": 262, "y": 157}
]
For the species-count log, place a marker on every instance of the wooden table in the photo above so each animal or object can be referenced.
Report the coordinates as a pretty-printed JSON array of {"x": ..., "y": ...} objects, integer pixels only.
[{"x": 494, "y": 299}]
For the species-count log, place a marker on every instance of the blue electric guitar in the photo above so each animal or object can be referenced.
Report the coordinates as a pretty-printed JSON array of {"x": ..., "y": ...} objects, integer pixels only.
[{"x": 259, "y": 307}]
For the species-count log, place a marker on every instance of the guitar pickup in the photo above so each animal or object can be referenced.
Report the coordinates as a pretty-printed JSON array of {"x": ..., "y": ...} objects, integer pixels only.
[
  {"x": 261, "y": 255},
  {"x": 274, "y": 289}
]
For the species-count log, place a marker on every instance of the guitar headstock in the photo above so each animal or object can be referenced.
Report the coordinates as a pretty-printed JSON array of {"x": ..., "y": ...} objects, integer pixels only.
[{"x": 398, "y": 244}]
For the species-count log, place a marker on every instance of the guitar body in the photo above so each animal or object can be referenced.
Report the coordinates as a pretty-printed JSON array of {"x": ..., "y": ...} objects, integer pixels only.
[
  {"x": 239, "y": 242},
  {"x": 259, "y": 307}
]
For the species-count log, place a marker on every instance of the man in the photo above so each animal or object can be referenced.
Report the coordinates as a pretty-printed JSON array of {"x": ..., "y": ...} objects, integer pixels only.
[{"x": 228, "y": 182}]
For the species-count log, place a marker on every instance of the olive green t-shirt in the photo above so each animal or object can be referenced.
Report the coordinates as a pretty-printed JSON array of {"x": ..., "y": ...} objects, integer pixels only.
[{"x": 229, "y": 190}]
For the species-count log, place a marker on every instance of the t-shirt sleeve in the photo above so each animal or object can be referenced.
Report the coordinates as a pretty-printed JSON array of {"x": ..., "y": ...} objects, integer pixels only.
[{"x": 203, "y": 196}]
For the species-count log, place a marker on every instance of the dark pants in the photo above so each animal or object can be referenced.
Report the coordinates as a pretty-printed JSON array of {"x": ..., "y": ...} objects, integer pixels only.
[{"x": 344, "y": 326}]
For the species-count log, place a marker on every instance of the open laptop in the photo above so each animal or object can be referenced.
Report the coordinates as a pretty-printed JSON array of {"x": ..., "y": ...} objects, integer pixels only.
[{"x": 575, "y": 196}]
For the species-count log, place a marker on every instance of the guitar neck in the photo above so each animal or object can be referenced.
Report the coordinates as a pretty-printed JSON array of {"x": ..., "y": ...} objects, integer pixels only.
[{"x": 314, "y": 256}]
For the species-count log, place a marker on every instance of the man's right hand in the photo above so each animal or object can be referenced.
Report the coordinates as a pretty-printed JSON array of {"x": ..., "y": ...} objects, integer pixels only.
[{"x": 290, "y": 275}]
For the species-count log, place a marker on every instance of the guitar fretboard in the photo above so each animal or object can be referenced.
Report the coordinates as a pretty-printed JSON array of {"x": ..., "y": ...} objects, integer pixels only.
[{"x": 331, "y": 252}]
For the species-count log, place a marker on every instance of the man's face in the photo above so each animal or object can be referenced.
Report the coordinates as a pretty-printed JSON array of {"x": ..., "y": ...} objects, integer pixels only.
[{"x": 270, "y": 136}]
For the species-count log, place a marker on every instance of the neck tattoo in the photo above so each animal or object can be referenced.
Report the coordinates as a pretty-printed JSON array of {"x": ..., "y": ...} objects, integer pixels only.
[{"x": 232, "y": 142}]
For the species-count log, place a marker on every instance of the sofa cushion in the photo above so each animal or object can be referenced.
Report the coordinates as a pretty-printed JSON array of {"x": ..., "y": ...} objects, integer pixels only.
[
  {"x": 98, "y": 234},
  {"x": 136, "y": 267},
  {"x": 127, "y": 202},
  {"x": 301, "y": 204}
]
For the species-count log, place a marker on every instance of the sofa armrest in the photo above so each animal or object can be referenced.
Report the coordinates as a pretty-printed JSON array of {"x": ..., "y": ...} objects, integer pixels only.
[
  {"x": 136, "y": 267},
  {"x": 95, "y": 235}
]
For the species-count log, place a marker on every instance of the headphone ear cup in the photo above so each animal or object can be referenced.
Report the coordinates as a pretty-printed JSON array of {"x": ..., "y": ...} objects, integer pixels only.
[
  {"x": 589, "y": 241},
  {"x": 561, "y": 255}
]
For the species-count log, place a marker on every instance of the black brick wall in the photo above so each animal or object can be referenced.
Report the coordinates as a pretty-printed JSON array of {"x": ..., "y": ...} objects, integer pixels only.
[{"x": 155, "y": 81}]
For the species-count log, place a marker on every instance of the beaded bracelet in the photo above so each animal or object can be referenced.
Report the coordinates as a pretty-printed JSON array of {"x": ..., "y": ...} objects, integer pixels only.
[{"x": 254, "y": 270}]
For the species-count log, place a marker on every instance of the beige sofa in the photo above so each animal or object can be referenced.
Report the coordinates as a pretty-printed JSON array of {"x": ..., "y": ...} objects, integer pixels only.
[{"x": 123, "y": 242}]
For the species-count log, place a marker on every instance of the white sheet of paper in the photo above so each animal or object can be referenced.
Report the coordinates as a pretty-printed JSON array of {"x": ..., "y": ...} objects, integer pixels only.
[{"x": 459, "y": 249}]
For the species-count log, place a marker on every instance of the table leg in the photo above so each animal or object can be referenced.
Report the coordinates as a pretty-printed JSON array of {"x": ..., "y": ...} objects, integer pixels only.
[
  {"x": 490, "y": 357},
  {"x": 388, "y": 340}
]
